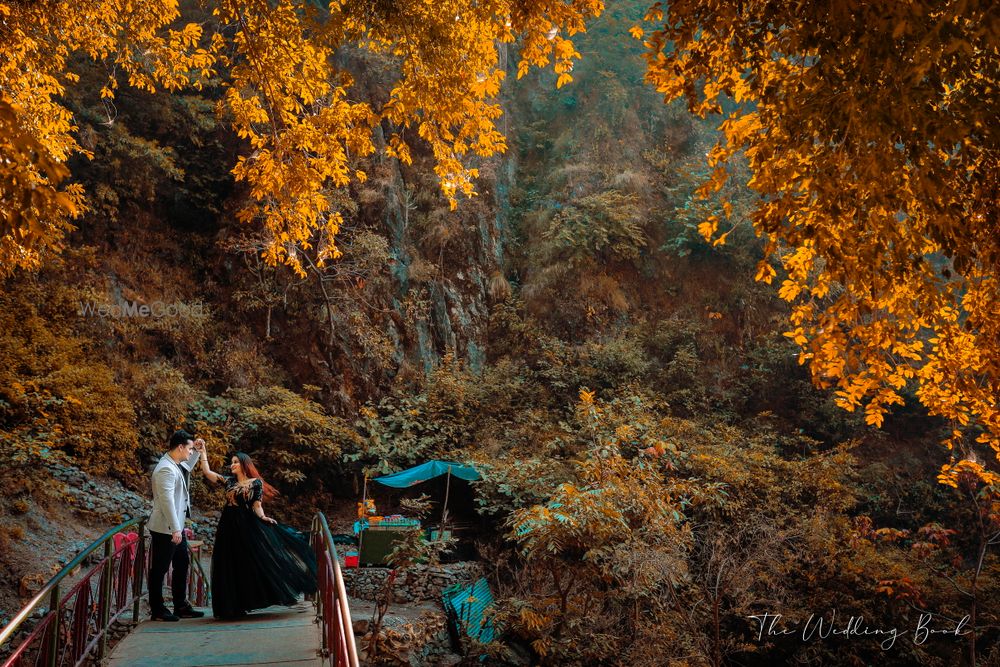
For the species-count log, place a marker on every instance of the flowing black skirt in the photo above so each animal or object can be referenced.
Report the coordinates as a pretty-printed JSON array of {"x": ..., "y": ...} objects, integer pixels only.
[{"x": 257, "y": 564}]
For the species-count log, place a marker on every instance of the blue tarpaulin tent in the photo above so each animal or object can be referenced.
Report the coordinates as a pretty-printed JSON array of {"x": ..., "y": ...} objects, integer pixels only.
[{"x": 426, "y": 471}]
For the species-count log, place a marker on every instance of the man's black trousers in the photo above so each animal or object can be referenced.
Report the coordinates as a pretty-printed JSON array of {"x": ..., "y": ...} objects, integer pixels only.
[{"x": 165, "y": 552}]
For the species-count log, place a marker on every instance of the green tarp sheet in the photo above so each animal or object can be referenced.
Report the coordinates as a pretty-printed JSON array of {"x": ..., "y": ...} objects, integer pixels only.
[{"x": 468, "y": 605}]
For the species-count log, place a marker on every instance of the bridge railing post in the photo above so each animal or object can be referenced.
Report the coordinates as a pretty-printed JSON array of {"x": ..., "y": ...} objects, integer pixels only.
[
  {"x": 140, "y": 571},
  {"x": 53, "y": 643},
  {"x": 332, "y": 607},
  {"x": 104, "y": 603}
]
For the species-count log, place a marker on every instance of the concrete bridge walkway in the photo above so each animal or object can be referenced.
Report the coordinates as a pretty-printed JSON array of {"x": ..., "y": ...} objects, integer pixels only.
[{"x": 283, "y": 636}]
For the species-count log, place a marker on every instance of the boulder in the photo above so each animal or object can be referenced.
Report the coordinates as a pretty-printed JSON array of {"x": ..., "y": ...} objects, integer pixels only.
[{"x": 31, "y": 584}]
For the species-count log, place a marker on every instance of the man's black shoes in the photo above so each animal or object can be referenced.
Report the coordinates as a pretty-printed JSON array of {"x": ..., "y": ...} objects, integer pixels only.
[
  {"x": 164, "y": 615},
  {"x": 183, "y": 612},
  {"x": 189, "y": 612}
]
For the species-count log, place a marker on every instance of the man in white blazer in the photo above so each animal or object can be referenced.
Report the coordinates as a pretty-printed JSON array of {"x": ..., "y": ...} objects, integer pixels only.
[{"x": 171, "y": 506}]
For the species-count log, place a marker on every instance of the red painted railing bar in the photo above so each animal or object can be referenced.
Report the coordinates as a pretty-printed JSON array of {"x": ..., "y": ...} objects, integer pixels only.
[
  {"x": 107, "y": 580},
  {"x": 332, "y": 608},
  {"x": 76, "y": 624},
  {"x": 139, "y": 567}
]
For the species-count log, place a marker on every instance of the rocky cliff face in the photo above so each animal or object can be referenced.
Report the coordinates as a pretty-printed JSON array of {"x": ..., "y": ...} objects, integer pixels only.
[
  {"x": 454, "y": 288},
  {"x": 416, "y": 284}
]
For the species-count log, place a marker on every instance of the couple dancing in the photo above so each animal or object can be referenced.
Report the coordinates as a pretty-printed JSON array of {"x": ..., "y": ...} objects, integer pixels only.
[{"x": 256, "y": 563}]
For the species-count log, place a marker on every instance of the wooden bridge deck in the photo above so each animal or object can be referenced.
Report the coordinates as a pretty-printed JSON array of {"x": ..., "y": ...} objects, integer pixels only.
[{"x": 285, "y": 636}]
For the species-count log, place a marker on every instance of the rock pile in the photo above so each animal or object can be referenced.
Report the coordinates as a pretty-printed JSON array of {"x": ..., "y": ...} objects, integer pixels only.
[
  {"x": 112, "y": 503},
  {"x": 423, "y": 641},
  {"x": 411, "y": 635},
  {"x": 116, "y": 632},
  {"x": 107, "y": 500},
  {"x": 421, "y": 582}
]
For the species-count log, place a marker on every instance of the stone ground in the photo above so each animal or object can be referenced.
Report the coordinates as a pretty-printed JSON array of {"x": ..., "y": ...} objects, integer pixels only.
[
  {"x": 404, "y": 621},
  {"x": 398, "y": 615},
  {"x": 285, "y": 636}
]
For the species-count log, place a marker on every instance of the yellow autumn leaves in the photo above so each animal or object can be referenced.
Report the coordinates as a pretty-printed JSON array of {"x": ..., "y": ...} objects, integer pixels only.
[
  {"x": 284, "y": 92},
  {"x": 867, "y": 138},
  {"x": 38, "y": 42},
  {"x": 294, "y": 105}
]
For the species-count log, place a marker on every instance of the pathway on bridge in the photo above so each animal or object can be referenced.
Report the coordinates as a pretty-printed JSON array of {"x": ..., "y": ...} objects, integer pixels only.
[{"x": 285, "y": 636}]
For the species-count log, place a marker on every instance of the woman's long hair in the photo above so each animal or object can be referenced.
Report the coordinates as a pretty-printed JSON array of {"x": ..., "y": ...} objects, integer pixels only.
[{"x": 250, "y": 470}]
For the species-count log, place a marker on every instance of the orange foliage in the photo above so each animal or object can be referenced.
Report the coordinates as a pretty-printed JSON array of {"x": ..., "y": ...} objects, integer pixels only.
[
  {"x": 284, "y": 94},
  {"x": 870, "y": 130}
]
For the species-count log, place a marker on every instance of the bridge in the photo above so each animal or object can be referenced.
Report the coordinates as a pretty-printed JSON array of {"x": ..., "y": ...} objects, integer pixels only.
[
  {"x": 79, "y": 610},
  {"x": 288, "y": 637}
]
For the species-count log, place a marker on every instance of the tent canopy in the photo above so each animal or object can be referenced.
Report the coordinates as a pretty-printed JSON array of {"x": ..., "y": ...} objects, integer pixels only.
[{"x": 426, "y": 471}]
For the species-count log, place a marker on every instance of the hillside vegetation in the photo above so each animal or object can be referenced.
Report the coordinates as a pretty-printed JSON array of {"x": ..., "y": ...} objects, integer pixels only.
[{"x": 660, "y": 468}]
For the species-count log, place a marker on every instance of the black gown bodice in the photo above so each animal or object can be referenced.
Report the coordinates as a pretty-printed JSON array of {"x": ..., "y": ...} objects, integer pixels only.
[{"x": 243, "y": 495}]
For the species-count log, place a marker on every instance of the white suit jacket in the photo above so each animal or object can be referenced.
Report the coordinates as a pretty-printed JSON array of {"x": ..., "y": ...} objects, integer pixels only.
[{"x": 171, "y": 496}]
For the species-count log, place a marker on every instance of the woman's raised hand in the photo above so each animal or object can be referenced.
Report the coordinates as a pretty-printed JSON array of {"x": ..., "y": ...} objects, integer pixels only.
[{"x": 199, "y": 444}]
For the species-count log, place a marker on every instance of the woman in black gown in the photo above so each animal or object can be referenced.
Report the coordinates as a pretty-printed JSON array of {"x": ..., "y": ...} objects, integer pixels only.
[{"x": 257, "y": 562}]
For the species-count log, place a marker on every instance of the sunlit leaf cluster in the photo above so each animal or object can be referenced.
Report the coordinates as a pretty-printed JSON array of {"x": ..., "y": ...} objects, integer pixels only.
[
  {"x": 286, "y": 93},
  {"x": 870, "y": 129}
]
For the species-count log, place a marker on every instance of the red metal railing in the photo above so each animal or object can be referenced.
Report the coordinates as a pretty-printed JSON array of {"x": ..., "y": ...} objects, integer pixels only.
[
  {"x": 331, "y": 599},
  {"x": 77, "y": 622}
]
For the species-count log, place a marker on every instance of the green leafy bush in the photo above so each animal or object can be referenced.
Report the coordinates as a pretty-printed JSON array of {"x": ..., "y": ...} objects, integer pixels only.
[{"x": 296, "y": 442}]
